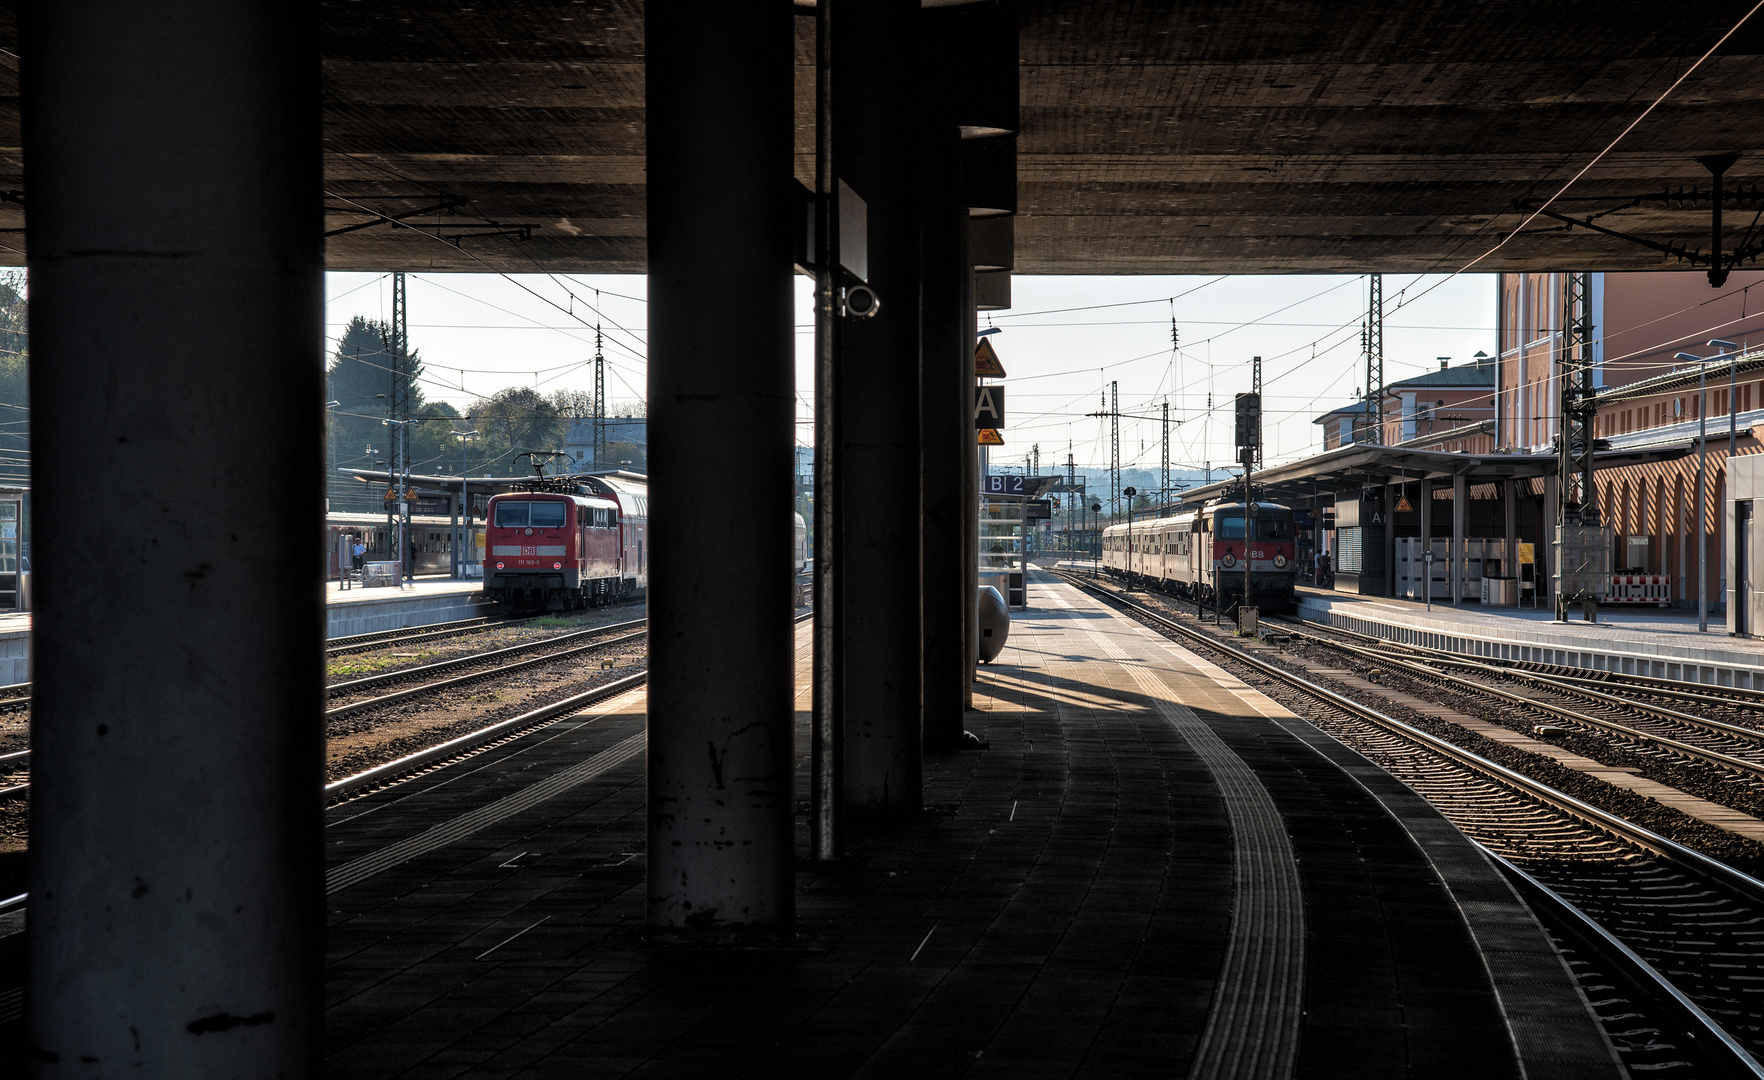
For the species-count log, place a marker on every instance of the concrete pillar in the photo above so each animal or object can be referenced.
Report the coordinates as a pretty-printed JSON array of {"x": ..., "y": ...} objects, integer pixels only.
[
  {"x": 1510, "y": 505},
  {"x": 176, "y": 877},
  {"x": 970, "y": 475},
  {"x": 876, "y": 147},
  {"x": 721, "y": 380},
  {"x": 1389, "y": 493},
  {"x": 454, "y": 534},
  {"x": 1460, "y": 504},
  {"x": 945, "y": 409},
  {"x": 1426, "y": 538}
]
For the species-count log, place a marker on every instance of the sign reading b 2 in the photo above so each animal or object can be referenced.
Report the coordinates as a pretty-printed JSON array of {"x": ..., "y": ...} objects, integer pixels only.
[
  {"x": 1004, "y": 484},
  {"x": 989, "y": 407}
]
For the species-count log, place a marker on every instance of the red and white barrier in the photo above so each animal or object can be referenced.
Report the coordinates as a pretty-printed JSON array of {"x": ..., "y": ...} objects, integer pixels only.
[{"x": 1653, "y": 589}]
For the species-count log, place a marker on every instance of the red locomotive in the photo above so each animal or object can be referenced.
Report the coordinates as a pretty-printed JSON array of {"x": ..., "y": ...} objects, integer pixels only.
[
  {"x": 1198, "y": 553},
  {"x": 566, "y": 543}
]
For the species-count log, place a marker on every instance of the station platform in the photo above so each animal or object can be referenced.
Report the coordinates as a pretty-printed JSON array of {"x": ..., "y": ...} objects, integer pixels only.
[
  {"x": 347, "y": 611},
  {"x": 358, "y": 610},
  {"x": 1152, "y": 868},
  {"x": 1662, "y": 643},
  {"x": 15, "y": 647}
]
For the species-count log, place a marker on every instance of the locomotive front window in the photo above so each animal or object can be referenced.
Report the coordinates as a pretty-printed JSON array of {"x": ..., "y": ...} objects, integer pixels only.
[
  {"x": 1270, "y": 528},
  {"x": 523, "y": 513},
  {"x": 1229, "y": 528}
]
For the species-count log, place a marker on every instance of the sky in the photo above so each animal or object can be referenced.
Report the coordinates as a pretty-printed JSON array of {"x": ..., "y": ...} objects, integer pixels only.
[{"x": 1062, "y": 342}]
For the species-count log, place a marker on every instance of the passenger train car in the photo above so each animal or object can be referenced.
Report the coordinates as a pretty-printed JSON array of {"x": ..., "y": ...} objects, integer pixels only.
[
  {"x": 431, "y": 540},
  {"x": 1199, "y": 553},
  {"x": 567, "y": 543}
]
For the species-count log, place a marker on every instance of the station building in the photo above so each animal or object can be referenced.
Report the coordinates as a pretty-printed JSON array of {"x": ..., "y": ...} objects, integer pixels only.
[{"x": 1466, "y": 455}]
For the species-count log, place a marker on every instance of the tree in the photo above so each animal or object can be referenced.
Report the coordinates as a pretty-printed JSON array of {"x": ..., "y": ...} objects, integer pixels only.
[
  {"x": 573, "y": 404},
  {"x": 515, "y": 420},
  {"x": 624, "y": 455},
  {"x": 15, "y": 383},
  {"x": 360, "y": 381}
]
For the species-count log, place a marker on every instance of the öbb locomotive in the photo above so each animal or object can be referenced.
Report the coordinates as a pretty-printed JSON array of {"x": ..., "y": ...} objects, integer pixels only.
[
  {"x": 567, "y": 543},
  {"x": 1199, "y": 553}
]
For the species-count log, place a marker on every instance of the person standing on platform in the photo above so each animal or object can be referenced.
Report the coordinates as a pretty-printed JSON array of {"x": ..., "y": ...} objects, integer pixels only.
[{"x": 359, "y": 551}]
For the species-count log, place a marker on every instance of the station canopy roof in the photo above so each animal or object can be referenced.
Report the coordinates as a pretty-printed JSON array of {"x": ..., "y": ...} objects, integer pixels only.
[
  {"x": 1353, "y": 468},
  {"x": 1201, "y": 136},
  {"x": 475, "y": 485}
]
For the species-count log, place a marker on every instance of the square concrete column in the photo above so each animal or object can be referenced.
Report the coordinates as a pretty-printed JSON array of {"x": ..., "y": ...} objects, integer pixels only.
[
  {"x": 1388, "y": 504},
  {"x": 721, "y": 382},
  {"x": 1460, "y": 560},
  {"x": 1426, "y": 539},
  {"x": 876, "y": 147},
  {"x": 945, "y": 410},
  {"x": 172, "y": 156},
  {"x": 1510, "y": 507}
]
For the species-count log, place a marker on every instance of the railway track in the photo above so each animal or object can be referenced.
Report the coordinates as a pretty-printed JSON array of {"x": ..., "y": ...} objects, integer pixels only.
[
  {"x": 1681, "y": 930},
  {"x": 1708, "y": 694},
  {"x": 339, "y": 646},
  {"x": 1594, "y": 708},
  {"x": 14, "y": 767},
  {"x": 635, "y": 628},
  {"x": 355, "y": 643}
]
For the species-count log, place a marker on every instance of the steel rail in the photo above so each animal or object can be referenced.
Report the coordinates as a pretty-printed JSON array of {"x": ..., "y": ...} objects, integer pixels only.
[
  {"x": 1569, "y": 685},
  {"x": 1710, "y": 1037},
  {"x": 1585, "y": 812},
  {"x": 380, "y": 775},
  {"x": 383, "y": 638},
  {"x": 1715, "y": 756},
  {"x": 1715, "y": 692},
  {"x": 471, "y": 676},
  {"x": 386, "y": 678},
  {"x": 350, "y": 641}
]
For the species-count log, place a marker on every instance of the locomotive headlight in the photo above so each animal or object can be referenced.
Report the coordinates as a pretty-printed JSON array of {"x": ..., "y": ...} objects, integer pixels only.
[
  {"x": 557, "y": 566},
  {"x": 1229, "y": 559},
  {"x": 498, "y": 566},
  {"x": 1279, "y": 562}
]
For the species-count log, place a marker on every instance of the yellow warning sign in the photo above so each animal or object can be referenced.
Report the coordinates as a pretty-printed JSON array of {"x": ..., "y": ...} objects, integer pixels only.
[
  {"x": 991, "y": 437},
  {"x": 1402, "y": 505},
  {"x": 986, "y": 364},
  {"x": 1527, "y": 556}
]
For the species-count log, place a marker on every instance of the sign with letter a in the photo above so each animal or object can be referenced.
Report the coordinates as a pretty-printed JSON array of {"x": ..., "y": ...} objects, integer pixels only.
[{"x": 989, "y": 407}]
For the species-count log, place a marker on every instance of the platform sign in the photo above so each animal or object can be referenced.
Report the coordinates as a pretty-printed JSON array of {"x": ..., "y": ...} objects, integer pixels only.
[
  {"x": 989, "y": 407},
  {"x": 1004, "y": 484},
  {"x": 1039, "y": 510},
  {"x": 1527, "y": 554},
  {"x": 990, "y": 437},
  {"x": 986, "y": 362}
]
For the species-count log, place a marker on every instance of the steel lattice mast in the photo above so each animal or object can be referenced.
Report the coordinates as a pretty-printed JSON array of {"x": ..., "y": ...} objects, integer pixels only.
[
  {"x": 1256, "y": 388},
  {"x": 1114, "y": 454},
  {"x": 599, "y": 402},
  {"x": 398, "y": 417},
  {"x": 1375, "y": 360},
  {"x": 1165, "y": 478},
  {"x": 1577, "y": 507}
]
